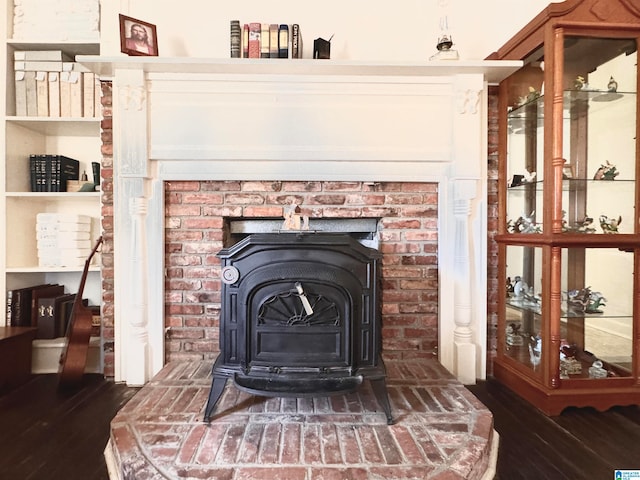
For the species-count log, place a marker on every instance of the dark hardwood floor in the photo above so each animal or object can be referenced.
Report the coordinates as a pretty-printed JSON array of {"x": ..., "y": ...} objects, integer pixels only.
[
  {"x": 56, "y": 435},
  {"x": 579, "y": 444},
  {"x": 47, "y": 434}
]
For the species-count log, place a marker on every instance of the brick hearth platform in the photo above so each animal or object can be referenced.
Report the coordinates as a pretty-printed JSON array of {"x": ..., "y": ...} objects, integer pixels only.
[{"x": 441, "y": 431}]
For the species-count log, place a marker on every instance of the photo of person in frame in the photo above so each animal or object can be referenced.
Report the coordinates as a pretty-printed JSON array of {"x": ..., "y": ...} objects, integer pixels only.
[{"x": 137, "y": 37}]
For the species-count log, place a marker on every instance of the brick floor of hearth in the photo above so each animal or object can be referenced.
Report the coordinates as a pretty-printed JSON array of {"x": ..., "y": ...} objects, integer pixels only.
[{"x": 441, "y": 431}]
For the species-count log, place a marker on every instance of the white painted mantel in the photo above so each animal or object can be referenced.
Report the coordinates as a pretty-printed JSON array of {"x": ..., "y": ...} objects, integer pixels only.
[{"x": 204, "y": 119}]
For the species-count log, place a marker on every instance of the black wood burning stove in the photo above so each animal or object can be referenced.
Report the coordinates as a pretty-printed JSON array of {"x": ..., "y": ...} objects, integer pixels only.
[{"x": 300, "y": 317}]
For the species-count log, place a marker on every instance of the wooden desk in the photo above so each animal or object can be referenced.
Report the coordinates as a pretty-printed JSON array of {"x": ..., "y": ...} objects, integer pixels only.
[{"x": 15, "y": 356}]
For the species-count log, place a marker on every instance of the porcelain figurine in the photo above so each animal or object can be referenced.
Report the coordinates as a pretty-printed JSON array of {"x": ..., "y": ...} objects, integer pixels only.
[
  {"x": 608, "y": 171},
  {"x": 524, "y": 224},
  {"x": 585, "y": 301},
  {"x": 612, "y": 86},
  {"x": 535, "y": 350},
  {"x": 610, "y": 225}
]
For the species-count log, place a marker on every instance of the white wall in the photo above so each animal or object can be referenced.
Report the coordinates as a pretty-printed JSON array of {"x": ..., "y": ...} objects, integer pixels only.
[{"x": 364, "y": 30}]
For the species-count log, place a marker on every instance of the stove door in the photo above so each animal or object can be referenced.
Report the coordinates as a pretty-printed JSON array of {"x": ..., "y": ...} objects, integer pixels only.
[{"x": 299, "y": 324}]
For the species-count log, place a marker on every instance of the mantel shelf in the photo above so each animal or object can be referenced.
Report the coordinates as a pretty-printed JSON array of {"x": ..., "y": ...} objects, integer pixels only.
[{"x": 493, "y": 70}]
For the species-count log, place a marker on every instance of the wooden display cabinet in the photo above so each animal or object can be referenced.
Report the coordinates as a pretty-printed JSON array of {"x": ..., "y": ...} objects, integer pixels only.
[{"x": 569, "y": 238}]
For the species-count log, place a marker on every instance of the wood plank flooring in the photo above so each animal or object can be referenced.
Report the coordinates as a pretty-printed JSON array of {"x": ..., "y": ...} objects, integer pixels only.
[
  {"x": 47, "y": 434},
  {"x": 581, "y": 443}
]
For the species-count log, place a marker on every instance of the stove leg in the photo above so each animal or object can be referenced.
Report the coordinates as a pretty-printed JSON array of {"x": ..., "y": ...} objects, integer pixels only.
[
  {"x": 217, "y": 387},
  {"x": 379, "y": 386}
]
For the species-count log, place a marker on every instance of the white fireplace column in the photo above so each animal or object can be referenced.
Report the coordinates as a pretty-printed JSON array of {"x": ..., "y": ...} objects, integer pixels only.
[
  {"x": 177, "y": 119},
  {"x": 130, "y": 194}
]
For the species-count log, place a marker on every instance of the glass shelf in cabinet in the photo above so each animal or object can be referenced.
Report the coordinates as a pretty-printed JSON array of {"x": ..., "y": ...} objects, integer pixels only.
[
  {"x": 572, "y": 183},
  {"x": 524, "y": 185},
  {"x": 571, "y": 98},
  {"x": 523, "y": 305},
  {"x": 598, "y": 96}
]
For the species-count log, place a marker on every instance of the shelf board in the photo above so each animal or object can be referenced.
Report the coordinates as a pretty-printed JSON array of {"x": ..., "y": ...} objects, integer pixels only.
[
  {"x": 60, "y": 126},
  {"x": 623, "y": 241},
  {"x": 92, "y": 268},
  {"x": 494, "y": 70},
  {"x": 70, "y": 47},
  {"x": 50, "y": 195}
]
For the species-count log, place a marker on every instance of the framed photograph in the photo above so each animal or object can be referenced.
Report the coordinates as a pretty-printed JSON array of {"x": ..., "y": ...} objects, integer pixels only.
[{"x": 138, "y": 37}]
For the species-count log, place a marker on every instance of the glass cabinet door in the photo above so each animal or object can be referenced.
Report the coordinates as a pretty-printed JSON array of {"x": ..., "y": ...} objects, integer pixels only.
[
  {"x": 523, "y": 307},
  {"x": 599, "y": 130},
  {"x": 525, "y": 150}
]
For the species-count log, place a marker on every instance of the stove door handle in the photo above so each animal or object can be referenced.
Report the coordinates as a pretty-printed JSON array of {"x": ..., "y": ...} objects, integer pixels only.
[{"x": 303, "y": 299}]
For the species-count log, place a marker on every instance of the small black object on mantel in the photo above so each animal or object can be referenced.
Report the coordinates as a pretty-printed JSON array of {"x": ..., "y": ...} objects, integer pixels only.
[{"x": 322, "y": 48}]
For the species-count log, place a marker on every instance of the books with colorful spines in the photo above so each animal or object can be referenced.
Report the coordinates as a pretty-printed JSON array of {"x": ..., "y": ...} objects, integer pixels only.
[
  {"x": 254, "y": 39},
  {"x": 235, "y": 38},
  {"x": 264, "y": 40},
  {"x": 283, "y": 41},
  {"x": 245, "y": 41},
  {"x": 296, "y": 41},
  {"x": 273, "y": 41}
]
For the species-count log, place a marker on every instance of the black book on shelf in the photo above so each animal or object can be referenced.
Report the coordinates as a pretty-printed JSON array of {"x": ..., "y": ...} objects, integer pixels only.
[
  {"x": 37, "y": 172},
  {"x": 33, "y": 172},
  {"x": 95, "y": 168},
  {"x": 66, "y": 169},
  {"x": 41, "y": 292},
  {"x": 21, "y": 305},
  {"x": 49, "y": 173},
  {"x": 51, "y": 321}
]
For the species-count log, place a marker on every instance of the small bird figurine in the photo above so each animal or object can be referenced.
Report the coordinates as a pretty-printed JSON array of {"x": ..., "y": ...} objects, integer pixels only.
[
  {"x": 610, "y": 225},
  {"x": 529, "y": 176},
  {"x": 612, "y": 86}
]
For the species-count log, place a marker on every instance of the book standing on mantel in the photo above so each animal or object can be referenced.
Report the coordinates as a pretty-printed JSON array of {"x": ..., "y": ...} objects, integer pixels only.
[{"x": 265, "y": 40}]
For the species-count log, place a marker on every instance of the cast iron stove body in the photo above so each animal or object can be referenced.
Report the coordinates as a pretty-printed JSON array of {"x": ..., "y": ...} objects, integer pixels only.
[{"x": 300, "y": 317}]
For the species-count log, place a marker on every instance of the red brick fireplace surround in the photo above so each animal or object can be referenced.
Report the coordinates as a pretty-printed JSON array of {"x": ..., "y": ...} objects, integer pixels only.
[{"x": 196, "y": 214}]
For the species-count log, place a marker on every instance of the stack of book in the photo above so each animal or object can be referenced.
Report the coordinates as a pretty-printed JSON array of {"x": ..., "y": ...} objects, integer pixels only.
[
  {"x": 64, "y": 240},
  {"x": 57, "y": 20},
  {"x": 48, "y": 83},
  {"x": 22, "y": 303},
  {"x": 265, "y": 40},
  {"x": 50, "y": 173}
]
